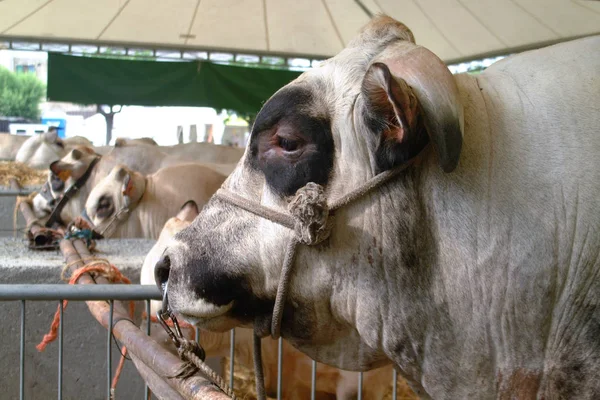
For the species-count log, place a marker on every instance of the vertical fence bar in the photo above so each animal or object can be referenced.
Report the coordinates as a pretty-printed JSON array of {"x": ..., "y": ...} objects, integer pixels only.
[
  {"x": 60, "y": 349},
  {"x": 360, "y": 385},
  {"x": 313, "y": 381},
  {"x": 108, "y": 349},
  {"x": 279, "y": 366},
  {"x": 22, "y": 354},
  {"x": 147, "y": 394},
  {"x": 395, "y": 385},
  {"x": 231, "y": 357}
]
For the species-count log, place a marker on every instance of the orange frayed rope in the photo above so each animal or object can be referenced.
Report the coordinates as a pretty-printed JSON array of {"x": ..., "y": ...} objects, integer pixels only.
[{"x": 94, "y": 267}]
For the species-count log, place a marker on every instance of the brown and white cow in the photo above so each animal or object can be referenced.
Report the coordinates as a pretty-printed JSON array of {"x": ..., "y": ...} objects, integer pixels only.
[
  {"x": 145, "y": 159},
  {"x": 297, "y": 367},
  {"x": 127, "y": 203},
  {"x": 205, "y": 152},
  {"x": 474, "y": 270}
]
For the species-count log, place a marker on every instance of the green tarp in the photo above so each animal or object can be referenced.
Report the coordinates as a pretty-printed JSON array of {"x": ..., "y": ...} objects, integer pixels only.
[{"x": 93, "y": 80}]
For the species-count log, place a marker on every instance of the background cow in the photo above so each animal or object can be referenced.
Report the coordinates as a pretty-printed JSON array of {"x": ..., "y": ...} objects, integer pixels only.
[
  {"x": 150, "y": 200},
  {"x": 38, "y": 151},
  {"x": 143, "y": 159},
  {"x": 10, "y": 145},
  {"x": 480, "y": 283}
]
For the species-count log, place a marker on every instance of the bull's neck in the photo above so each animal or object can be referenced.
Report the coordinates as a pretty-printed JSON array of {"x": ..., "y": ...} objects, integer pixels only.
[{"x": 144, "y": 212}]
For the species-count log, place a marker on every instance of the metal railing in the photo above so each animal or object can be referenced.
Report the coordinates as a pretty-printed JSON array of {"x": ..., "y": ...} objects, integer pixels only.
[
  {"x": 58, "y": 292},
  {"x": 111, "y": 293},
  {"x": 143, "y": 350}
]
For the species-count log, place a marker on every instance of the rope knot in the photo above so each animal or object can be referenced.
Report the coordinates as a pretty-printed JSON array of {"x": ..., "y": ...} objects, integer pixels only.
[
  {"x": 311, "y": 213},
  {"x": 189, "y": 346}
]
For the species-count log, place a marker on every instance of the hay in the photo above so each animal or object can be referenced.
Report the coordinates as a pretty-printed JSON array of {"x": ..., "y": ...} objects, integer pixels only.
[
  {"x": 243, "y": 384},
  {"x": 243, "y": 381},
  {"x": 25, "y": 175}
]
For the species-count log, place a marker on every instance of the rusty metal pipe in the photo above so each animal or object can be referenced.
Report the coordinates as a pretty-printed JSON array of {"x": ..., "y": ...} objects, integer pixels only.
[
  {"x": 40, "y": 235},
  {"x": 159, "y": 387},
  {"x": 144, "y": 348}
]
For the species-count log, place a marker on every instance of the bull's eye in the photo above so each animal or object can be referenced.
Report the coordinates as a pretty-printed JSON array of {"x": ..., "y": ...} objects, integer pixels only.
[
  {"x": 288, "y": 144},
  {"x": 291, "y": 141},
  {"x": 104, "y": 207}
]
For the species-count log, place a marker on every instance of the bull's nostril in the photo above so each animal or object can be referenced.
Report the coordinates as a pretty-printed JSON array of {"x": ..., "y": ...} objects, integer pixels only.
[
  {"x": 52, "y": 203},
  {"x": 161, "y": 271}
]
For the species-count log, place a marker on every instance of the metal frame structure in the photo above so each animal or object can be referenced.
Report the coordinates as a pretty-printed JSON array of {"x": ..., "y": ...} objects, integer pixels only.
[
  {"x": 160, "y": 52},
  {"x": 250, "y": 57}
]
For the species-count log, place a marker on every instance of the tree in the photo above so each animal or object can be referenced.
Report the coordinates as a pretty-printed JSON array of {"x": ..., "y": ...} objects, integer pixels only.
[
  {"x": 20, "y": 94},
  {"x": 108, "y": 112}
]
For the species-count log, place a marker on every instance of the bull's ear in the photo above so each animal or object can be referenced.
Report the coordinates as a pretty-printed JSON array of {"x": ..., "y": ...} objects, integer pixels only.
[
  {"x": 51, "y": 136},
  {"x": 120, "y": 142},
  {"x": 124, "y": 176},
  {"x": 394, "y": 114},
  {"x": 86, "y": 149},
  {"x": 188, "y": 211}
]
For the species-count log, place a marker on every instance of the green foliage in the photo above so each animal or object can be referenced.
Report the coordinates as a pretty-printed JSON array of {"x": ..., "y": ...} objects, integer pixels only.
[
  {"x": 20, "y": 94},
  {"x": 229, "y": 115}
]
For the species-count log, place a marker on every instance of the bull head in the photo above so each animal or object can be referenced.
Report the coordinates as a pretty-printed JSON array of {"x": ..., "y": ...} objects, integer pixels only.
[{"x": 375, "y": 106}]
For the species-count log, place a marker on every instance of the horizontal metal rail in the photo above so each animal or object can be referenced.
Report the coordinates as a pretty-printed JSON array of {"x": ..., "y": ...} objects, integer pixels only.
[
  {"x": 16, "y": 193},
  {"x": 44, "y": 292}
]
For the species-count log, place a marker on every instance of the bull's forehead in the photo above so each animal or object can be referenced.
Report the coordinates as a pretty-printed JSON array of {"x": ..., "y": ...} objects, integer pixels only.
[{"x": 337, "y": 81}]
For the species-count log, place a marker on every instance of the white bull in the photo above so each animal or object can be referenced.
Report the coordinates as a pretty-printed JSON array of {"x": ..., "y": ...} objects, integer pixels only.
[{"x": 473, "y": 270}]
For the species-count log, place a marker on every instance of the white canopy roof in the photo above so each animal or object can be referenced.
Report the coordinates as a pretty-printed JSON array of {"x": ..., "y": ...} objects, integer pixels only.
[{"x": 453, "y": 29}]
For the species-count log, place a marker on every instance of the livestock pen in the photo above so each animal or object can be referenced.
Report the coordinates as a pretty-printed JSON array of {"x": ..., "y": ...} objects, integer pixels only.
[{"x": 84, "y": 358}]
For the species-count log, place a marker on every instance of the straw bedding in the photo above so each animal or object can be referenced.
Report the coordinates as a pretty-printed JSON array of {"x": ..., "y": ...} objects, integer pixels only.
[
  {"x": 25, "y": 175},
  {"x": 244, "y": 384}
]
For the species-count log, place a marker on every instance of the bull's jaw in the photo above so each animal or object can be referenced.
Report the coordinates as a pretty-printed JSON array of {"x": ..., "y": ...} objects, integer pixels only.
[{"x": 204, "y": 314}]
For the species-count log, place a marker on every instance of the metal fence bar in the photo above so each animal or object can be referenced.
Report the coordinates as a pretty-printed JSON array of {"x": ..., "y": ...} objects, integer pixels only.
[
  {"x": 109, "y": 348},
  {"x": 105, "y": 292},
  {"x": 279, "y": 366},
  {"x": 60, "y": 349},
  {"x": 147, "y": 392},
  {"x": 161, "y": 363},
  {"x": 231, "y": 356},
  {"x": 16, "y": 193},
  {"x": 313, "y": 381},
  {"x": 22, "y": 354},
  {"x": 360, "y": 385},
  {"x": 395, "y": 385}
]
